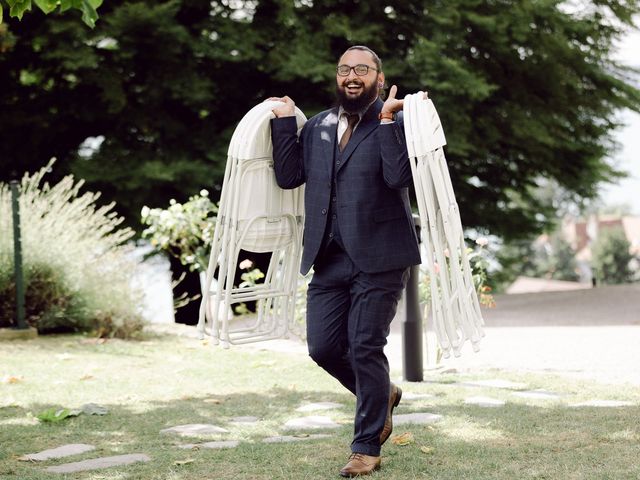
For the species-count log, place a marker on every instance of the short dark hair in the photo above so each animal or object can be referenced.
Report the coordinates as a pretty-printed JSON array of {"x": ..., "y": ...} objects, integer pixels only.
[{"x": 376, "y": 59}]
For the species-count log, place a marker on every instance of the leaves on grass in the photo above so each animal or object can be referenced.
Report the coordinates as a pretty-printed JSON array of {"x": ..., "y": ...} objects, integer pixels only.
[
  {"x": 425, "y": 449},
  {"x": 215, "y": 401},
  {"x": 11, "y": 379},
  {"x": 183, "y": 462},
  {"x": 54, "y": 415},
  {"x": 403, "y": 439},
  {"x": 87, "y": 377}
]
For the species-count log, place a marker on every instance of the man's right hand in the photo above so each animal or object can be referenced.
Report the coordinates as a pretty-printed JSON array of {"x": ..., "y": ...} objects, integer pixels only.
[{"x": 287, "y": 109}]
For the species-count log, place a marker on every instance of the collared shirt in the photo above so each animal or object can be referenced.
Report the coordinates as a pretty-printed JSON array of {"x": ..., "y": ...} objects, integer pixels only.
[{"x": 343, "y": 122}]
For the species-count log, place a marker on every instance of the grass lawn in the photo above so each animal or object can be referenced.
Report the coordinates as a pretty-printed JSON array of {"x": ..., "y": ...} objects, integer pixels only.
[{"x": 165, "y": 381}]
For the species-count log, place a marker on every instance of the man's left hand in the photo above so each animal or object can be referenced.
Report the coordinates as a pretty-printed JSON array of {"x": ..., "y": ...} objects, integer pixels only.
[{"x": 392, "y": 104}]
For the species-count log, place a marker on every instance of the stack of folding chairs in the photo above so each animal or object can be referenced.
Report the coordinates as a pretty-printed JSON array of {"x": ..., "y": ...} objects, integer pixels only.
[
  {"x": 455, "y": 309},
  {"x": 257, "y": 216}
]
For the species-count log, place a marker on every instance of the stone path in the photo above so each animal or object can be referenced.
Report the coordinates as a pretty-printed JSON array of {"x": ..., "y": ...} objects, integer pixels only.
[
  {"x": 484, "y": 402},
  {"x": 494, "y": 383},
  {"x": 211, "y": 445},
  {"x": 416, "y": 418},
  {"x": 194, "y": 430},
  {"x": 312, "y": 407},
  {"x": 98, "y": 463},
  {"x": 302, "y": 425},
  {"x": 538, "y": 395},
  {"x": 294, "y": 438},
  {"x": 311, "y": 422},
  {"x": 59, "y": 452}
]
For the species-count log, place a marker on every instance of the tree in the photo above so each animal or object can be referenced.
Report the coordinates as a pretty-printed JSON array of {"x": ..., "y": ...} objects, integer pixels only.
[
  {"x": 526, "y": 91},
  {"x": 88, "y": 8},
  {"x": 610, "y": 257}
]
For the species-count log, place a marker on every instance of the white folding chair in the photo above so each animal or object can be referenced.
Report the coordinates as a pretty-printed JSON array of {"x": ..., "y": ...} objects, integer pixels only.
[
  {"x": 257, "y": 216},
  {"x": 454, "y": 302}
]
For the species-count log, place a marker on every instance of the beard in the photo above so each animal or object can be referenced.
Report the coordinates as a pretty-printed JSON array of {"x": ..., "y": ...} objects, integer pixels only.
[{"x": 359, "y": 103}]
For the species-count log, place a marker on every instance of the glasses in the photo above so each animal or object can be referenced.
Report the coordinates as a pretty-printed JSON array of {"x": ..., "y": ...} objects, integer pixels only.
[{"x": 360, "y": 69}]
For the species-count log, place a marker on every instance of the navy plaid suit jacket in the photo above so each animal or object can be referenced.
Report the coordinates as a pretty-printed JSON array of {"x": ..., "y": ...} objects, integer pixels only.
[{"x": 373, "y": 210}]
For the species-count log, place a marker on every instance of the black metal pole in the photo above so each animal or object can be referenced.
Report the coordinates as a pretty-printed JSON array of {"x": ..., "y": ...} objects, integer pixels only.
[
  {"x": 17, "y": 256},
  {"x": 412, "y": 325}
]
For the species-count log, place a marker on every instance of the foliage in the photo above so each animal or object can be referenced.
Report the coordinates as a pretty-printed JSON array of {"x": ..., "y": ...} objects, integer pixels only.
[
  {"x": 479, "y": 270},
  {"x": 610, "y": 257},
  {"x": 550, "y": 257},
  {"x": 527, "y": 92},
  {"x": 78, "y": 271},
  {"x": 561, "y": 260},
  {"x": 88, "y": 8},
  {"x": 184, "y": 230}
]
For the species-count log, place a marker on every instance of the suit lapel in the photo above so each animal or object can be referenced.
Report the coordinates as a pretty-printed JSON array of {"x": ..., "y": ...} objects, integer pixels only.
[
  {"x": 328, "y": 131},
  {"x": 367, "y": 125}
]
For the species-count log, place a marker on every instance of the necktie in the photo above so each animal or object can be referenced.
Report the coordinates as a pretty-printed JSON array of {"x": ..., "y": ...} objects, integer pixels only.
[{"x": 352, "y": 120}]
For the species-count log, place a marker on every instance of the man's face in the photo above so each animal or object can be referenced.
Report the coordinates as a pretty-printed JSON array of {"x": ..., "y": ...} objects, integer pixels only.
[{"x": 355, "y": 92}]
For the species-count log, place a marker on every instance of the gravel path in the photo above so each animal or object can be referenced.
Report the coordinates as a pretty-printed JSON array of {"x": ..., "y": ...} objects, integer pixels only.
[{"x": 592, "y": 334}]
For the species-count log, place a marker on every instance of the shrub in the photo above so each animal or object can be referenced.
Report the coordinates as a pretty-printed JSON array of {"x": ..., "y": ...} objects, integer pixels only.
[
  {"x": 78, "y": 270},
  {"x": 184, "y": 230},
  {"x": 610, "y": 257}
]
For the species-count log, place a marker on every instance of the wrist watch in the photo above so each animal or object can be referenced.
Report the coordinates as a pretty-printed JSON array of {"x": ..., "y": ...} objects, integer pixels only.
[{"x": 386, "y": 116}]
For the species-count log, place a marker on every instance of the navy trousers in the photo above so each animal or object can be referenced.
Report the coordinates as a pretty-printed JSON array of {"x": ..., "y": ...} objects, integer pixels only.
[{"x": 348, "y": 317}]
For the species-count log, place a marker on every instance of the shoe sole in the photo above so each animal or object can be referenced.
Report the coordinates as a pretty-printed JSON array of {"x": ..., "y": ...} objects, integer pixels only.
[{"x": 354, "y": 475}]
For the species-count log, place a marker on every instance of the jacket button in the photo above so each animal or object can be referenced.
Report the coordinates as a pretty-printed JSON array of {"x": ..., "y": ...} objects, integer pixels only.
[
  {"x": 324, "y": 211},
  {"x": 337, "y": 162}
]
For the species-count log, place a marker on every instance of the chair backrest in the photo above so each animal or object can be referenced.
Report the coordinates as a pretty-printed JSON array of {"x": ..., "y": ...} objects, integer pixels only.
[{"x": 266, "y": 216}]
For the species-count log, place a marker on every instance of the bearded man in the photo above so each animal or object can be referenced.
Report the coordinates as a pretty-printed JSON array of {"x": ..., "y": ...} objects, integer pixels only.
[{"x": 359, "y": 237}]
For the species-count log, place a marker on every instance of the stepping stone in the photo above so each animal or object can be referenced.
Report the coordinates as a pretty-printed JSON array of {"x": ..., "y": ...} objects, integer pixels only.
[
  {"x": 603, "y": 403},
  {"x": 98, "y": 463},
  {"x": 415, "y": 396},
  {"x": 494, "y": 383},
  {"x": 312, "y": 407},
  {"x": 313, "y": 421},
  {"x": 295, "y": 438},
  {"x": 194, "y": 430},
  {"x": 418, "y": 418},
  {"x": 484, "y": 402},
  {"x": 244, "y": 420},
  {"x": 212, "y": 445},
  {"x": 538, "y": 395},
  {"x": 59, "y": 452}
]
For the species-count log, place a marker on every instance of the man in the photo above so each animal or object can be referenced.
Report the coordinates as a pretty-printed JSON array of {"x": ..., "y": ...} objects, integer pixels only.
[{"x": 359, "y": 236}]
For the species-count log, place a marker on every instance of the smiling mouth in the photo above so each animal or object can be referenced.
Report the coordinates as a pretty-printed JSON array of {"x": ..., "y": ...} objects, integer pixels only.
[{"x": 353, "y": 87}]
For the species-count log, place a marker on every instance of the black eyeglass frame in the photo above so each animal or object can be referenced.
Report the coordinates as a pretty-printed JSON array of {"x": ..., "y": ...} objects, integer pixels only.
[{"x": 354, "y": 68}]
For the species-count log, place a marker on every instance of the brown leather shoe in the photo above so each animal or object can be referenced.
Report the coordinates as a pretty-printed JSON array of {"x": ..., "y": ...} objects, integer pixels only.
[
  {"x": 394, "y": 399},
  {"x": 360, "y": 464}
]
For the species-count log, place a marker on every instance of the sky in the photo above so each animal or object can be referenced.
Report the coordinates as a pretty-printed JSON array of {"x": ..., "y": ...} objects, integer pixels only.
[{"x": 627, "y": 158}]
